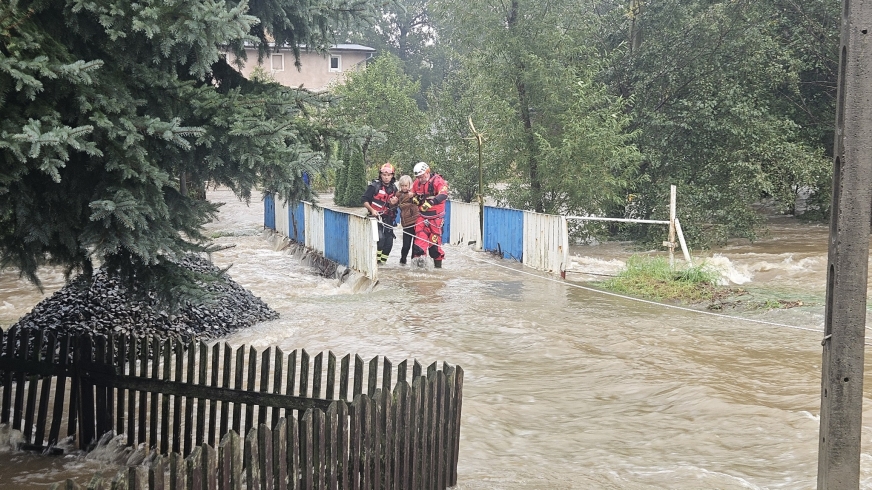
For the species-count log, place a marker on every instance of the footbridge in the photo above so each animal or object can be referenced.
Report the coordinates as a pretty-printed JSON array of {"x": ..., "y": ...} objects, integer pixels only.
[{"x": 537, "y": 240}]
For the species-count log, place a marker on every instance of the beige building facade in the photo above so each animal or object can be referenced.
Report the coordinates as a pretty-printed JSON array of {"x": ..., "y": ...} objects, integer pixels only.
[{"x": 317, "y": 71}]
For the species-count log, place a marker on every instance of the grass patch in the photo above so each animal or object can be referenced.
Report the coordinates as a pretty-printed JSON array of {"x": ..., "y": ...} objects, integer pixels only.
[{"x": 654, "y": 278}]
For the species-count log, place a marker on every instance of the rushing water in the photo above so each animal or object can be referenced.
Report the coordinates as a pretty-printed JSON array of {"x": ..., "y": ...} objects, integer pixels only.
[{"x": 565, "y": 387}]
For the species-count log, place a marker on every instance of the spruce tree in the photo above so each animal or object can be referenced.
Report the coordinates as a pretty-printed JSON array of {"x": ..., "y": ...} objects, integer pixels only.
[
  {"x": 356, "y": 182},
  {"x": 106, "y": 104}
]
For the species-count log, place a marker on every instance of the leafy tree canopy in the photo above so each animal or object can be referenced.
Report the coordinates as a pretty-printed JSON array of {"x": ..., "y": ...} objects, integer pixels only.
[{"x": 108, "y": 104}]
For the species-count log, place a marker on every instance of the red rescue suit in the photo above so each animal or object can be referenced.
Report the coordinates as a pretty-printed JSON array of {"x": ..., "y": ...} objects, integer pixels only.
[{"x": 431, "y": 196}]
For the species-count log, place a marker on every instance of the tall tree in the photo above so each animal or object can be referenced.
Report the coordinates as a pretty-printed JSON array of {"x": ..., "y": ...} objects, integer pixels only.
[
  {"x": 527, "y": 63},
  {"x": 708, "y": 80},
  {"x": 106, "y": 103}
]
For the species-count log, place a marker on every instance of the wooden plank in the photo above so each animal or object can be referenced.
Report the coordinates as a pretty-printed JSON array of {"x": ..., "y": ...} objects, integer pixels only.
[
  {"x": 178, "y": 480},
  {"x": 225, "y": 405},
  {"x": 415, "y": 424},
  {"x": 213, "y": 404},
  {"x": 85, "y": 396},
  {"x": 120, "y": 399},
  {"x": 402, "y": 445},
  {"x": 32, "y": 384},
  {"x": 343, "y": 377},
  {"x": 191, "y": 369},
  {"x": 230, "y": 468},
  {"x": 264, "y": 384},
  {"x": 265, "y": 457},
  {"x": 458, "y": 402},
  {"x": 142, "y": 423},
  {"x": 304, "y": 373},
  {"x": 10, "y": 338},
  {"x": 280, "y": 449},
  {"x": 416, "y": 369},
  {"x": 156, "y": 479},
  {"x": 439, "y": 430},
  {"x": 18, "y": 403},
  {"x": 387, "y": 367},
  {"x": 358, "y": 377},
  {"x": 331, "y": 438},
  {"x": 179, "y": 357},
  {"x": 294, "y": 472},
  {"x": 316, "y": 375},
  {"x": 63, "y": 361},
  {"x": 401, "y": 371},
  {"x": 45, "y": 395},
  {"x": 239, "y": 372},
  {"x": 386, "y": 419},
  {"x": 356, "y": 436},
  {"x": 154, "y": 412},
  {"x": 342, "y": 456},
  {"x": 194, "y": 469},
  {"x": 165, "y": 399},
  {"x": 252, "y": 387},
  {"x": 278, "y": 373},
  {"x": 331, "y": 376},
  {"x": 252, "y": 456},
  {"x": 292, "y": 378},
  {"x": 306, "y": 460},
  {"x": 210, "y": 467},
  {"x": 367, "y": 429},
  {"x": 320, "y": 449},
  {"x": 373, "y": 376},
  {"x": 131, "y": 398},
  {"x": 427, "y": 437},
  {"x": 200, "y": 439}
]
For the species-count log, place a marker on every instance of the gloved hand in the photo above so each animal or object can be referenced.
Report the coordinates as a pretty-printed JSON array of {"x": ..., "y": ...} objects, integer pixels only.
[
  {"x": 417, "y": 200},
  {"x": 427, "y": 205}
]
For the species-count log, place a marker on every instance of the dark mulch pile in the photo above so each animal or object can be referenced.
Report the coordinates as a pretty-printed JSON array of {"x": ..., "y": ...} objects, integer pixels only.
[{"x": 100, "y": 305}]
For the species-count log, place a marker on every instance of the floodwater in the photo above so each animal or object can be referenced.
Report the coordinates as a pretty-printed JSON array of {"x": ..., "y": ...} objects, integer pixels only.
[{"x": 565, "y": 387}]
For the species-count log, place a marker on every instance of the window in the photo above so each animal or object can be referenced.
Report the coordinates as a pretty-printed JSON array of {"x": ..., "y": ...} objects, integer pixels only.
[
  {"x": 335, "y": 63},
  {"x": 278, "y": 62}
]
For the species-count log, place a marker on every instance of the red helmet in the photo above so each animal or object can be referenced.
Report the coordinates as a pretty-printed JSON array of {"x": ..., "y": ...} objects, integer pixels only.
[{"x": 387, "y": 169}]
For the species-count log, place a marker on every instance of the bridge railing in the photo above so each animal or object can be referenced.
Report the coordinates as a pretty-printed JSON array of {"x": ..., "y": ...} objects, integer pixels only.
[{"x": 538, "y": 240}]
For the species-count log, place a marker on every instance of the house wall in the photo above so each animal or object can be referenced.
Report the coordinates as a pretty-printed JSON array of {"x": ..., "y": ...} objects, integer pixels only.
[{"x": 315, "y": 72}]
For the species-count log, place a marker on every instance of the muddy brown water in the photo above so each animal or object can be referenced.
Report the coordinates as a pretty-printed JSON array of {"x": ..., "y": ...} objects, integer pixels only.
[{"x": 565, "y": 387}]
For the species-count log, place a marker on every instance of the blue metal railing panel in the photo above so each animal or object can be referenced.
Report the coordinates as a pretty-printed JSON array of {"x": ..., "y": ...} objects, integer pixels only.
[
  {"x": 269, "y": 212},
  {"x": 446, "y": 225},
  {"x": 504, "y": 232},
  {"x": 336, "y": 236},
  {"x": 297, "y": 223}
]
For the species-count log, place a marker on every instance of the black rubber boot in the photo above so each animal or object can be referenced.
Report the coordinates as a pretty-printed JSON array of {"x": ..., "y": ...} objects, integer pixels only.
[{"x": 437, "y": 263}]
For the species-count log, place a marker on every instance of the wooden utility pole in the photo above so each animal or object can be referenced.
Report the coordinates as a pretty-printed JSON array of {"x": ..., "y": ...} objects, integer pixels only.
[{"x": 845, "y": 321}]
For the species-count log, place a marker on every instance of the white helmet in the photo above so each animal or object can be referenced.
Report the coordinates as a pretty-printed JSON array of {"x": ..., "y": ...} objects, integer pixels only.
[{"x": 421, "y": 168}]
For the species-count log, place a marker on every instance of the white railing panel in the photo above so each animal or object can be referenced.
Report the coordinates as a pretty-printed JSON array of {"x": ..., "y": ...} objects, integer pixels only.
[
  {"x": 464, "y": 223},
  {"x": 546, "y": 242},
  {"x": 282, "y": 222},
  {"x": 314, "y": 228},
  {"x": 362, "y": 245}
]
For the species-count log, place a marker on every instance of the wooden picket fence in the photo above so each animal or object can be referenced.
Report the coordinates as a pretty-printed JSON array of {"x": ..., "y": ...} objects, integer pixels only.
[{"x": 170, "y": 397}]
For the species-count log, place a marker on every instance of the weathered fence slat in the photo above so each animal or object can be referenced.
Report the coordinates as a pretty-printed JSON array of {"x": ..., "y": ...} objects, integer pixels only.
[
  {"x": 316, "y": 375},
  {"x": 213, "y": 404},
  {"x": 156, "y": 346},
  {"x": 143, "y": 395},
  {"x": 201, "y": 401},
  {"x": 331, "y": 376},
  {"x": 7, "y": 375},
  {"x": 306, "y": 463},
  {"x": 264, "y": 384},
  {"x": 165, "y": 400},
  {"x": 237, "y": 407},
  {"x": 251, "y": 386},
  {"x": 343, "y": 377},
  {"x": 131, "y": 394},
  {"x": 280, "y": 450},
  {"x": 60, "y": 390},
  {"x": 20, "y": 355},
  {"x": 278, "y": 372},
  {"x": 42, "y": 416},
  {"x": 177, "y": 399}
]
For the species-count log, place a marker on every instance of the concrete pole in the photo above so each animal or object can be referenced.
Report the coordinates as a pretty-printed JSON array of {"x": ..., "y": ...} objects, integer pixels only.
[{"x": 845, "y": 321}]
